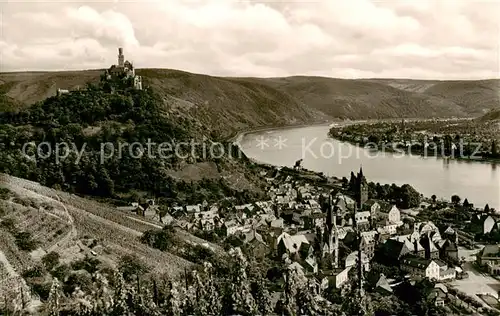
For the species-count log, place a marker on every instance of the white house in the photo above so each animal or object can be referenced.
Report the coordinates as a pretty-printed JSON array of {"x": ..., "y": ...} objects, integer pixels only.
[
  {"x": 422, "y": 267},
  {"x": 290, "y": 244},
  {"x": 231, "y": 227},
  {"x": 362, "y": 217},
  {"x": 372, "y": 206},
  {"x": 392, "y": 213},
  {"x": 341, "y": 277},
  {"x": 488, "y": 224}
]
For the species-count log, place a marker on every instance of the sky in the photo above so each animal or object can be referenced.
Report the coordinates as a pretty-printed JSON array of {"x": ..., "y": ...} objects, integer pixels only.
[{"x": 418, "y": 39}]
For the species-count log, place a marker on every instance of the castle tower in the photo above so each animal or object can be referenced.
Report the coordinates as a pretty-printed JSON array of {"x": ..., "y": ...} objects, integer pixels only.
[{"x": 121, "y": 58}]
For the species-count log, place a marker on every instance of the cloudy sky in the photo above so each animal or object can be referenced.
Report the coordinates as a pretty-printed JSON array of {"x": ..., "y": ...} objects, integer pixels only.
[{"x": 440, "y": 39}]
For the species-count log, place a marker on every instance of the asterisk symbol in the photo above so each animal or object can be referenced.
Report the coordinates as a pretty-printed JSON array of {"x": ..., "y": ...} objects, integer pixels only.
[
  {"x": 262, "y": 142},
  {"x": 280, "y": 142}
]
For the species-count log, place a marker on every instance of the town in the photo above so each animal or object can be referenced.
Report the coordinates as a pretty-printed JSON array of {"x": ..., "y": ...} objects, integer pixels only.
[
  {"x": 470, "y": 139},
  {"x": 335, "y": 232}
]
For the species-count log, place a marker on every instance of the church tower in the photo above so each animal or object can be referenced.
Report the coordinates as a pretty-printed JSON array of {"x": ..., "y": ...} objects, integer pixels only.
[
  {"x": 331, "y": 240},
  {"x": 361, "y": 190},
  {"x": 121, "y": 58}
]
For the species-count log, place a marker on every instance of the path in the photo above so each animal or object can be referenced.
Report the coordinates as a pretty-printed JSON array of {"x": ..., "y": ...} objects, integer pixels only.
[
  {"x": 144, "y": 222},
  {"x": 70, "y": 235}
]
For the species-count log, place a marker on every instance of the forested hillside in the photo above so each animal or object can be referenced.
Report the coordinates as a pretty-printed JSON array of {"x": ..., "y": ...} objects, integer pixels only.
[{"x": 112, "y": 114}]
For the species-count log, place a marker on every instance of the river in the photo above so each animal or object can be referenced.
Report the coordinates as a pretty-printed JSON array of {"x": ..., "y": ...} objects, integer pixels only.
[{"x": 477, "y": 181}]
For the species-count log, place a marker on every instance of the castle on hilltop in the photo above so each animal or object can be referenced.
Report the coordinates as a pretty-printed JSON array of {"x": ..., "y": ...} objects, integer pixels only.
[{"x": 124, "y": 69}]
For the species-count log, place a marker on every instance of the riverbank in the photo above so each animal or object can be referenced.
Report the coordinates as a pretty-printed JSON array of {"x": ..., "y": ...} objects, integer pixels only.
[
  {"x": 239, "y": 135},
  {"x": 422, "y": 153}
]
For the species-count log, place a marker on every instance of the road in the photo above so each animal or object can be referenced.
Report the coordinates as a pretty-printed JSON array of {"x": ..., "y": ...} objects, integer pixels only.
[
  {"x": 477, "y": 283},
  {"x": 71, "y": 235}
]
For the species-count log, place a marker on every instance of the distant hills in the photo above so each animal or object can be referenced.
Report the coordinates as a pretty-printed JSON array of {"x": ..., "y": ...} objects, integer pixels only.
[
  {"x": 226, "y": 105},
  {"x": 493, "y": 115}
]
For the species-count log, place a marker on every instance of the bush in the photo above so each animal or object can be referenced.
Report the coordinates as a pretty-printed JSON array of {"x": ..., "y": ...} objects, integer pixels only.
[
  {"x": 5, "y": 193},
  {"x": 130, "y": 266},
  {"x": 25, "y": 241},
  {"x": 83, "y": 280},
  {"x": 9, "y": 224},
  {"x": 61, "y": 272},
  {"x": 50, "y": 260},
  {"x": 35, "y": 272},
  {"x": 88, "y": 264},
  {"x": 159, "y": 239}
]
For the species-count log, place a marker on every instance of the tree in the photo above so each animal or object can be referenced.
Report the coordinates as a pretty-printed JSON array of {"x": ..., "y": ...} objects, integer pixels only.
[
  {"x": 352, "y": 182},
  {"x": 130, "y": 266},
  {"x": 434, "y": 197},
  {"x": 494, "y": 151},
  {"x": 173, "y": 299},
  {"x": 262, "y": 297},
  {"x": 455, "y": 199},
  {"x": 487, "y": 208},
  {"x": 409, "y": 196},
  {"x": 238, "y": 298}
]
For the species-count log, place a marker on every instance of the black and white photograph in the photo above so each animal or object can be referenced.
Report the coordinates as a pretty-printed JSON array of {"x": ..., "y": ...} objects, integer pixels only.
[{"x": 250, "y": 158}]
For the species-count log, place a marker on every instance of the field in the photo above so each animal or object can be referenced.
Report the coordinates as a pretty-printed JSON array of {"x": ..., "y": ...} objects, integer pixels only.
[{"x": 67, "y": 224}]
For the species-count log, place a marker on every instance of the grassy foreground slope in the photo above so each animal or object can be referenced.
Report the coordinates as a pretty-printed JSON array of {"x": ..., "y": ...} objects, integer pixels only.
[
  {"x": 78, "y": 219},
  {"x": 225, "y": 105}
]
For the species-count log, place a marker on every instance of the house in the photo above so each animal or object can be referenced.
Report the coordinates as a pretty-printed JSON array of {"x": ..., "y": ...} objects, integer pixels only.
[
  {"x": 386, "y": 228},
  {"x": 340, "y": 277},
  {"x": 372, "y": 206},
  {"x": 289, "y": 244},
  {"x": 363, "y": 220},
  {"x": 489, "y": 257},
  {"x": 383, "y": 286},
  {"x": 367, "y": 245},
  {"x": 390, "y": 213},
  {"x": 421, "y": 267},
  {"x": 439, "y": 294},
  {"x": 424, "y": 228},
  {"x": 313, "y": 220},
  {"x": 231, "y": 227},
  {"x": 393, "y": 250},
  {"x": 311, "y": 264},
  {"x": 255, "y": 244},
  {"x": 193, "y": 208},
  {"x": 449, "y": 250},
  {"x": 445, "y": 272}
]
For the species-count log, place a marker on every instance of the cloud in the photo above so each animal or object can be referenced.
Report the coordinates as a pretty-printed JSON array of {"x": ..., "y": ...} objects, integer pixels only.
[{"x": 357, "y": 38}]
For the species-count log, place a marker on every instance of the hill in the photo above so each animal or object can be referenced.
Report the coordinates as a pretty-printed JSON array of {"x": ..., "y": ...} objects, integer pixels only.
[
  {"x": 493, "y": 115},
  {"x": 364, "y": 99},
  {"x": 173, "y": 157},
  {"x": 224, "y": 105}
]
